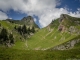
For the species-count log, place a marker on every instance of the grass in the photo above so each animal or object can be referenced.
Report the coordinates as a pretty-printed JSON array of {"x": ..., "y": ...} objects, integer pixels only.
[
  {"x": 44, "y": 39},
  {"x": 14, "y": 54},
  {"x": 7, "y": 24}
]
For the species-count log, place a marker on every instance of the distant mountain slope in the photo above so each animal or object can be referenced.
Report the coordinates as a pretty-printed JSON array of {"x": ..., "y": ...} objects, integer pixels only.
[{"x": 28, "y": 21}]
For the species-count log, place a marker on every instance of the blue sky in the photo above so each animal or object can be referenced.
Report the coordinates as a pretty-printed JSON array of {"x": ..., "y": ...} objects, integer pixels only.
[
  {"x": 70, "y": 4},
  {"x": 43, "y": 11},
  {"x": 15, "y": 15}
]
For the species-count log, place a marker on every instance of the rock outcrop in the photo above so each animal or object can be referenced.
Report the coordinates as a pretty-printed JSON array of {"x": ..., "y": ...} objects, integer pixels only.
[
  {"x": 67, "y": 45},
  {"x": 73, "y": 29},
  {"x": 62, "y": 17}
]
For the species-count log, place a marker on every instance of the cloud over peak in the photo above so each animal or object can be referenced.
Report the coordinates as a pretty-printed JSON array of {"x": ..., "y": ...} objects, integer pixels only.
[{"x": 45, "y": 9}]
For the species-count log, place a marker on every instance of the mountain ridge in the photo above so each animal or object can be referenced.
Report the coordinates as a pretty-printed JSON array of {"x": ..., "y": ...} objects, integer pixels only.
[{"x": 29, "y": 20}]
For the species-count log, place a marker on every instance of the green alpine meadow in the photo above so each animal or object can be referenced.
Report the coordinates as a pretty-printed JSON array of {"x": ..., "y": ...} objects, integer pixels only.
[{"x": 24, "y": 40}]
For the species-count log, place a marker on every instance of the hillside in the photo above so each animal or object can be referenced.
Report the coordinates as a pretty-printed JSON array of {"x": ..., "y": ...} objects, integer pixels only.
[
  {"x": 62, "y": 30},
  {"x": 12, "y": 26}
]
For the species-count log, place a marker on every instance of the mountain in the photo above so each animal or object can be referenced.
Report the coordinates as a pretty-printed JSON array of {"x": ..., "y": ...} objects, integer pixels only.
[
  {"x": 23, "y": 40},
  {"x": 61, "y": 32}
]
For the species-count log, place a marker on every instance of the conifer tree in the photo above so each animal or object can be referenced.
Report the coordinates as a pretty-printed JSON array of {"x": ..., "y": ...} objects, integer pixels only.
[
  {"x": 11, "y": 38},
  {"x": 33, "y": 30},
  {"x": 29, "y": 30},
  {"x": 24, "y": 30},
  {"x": 19, "y": 29},
  {"x": 4, "y": 34}
]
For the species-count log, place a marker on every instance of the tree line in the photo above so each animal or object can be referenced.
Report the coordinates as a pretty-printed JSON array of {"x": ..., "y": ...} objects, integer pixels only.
[{"x": 23, "y": 30}]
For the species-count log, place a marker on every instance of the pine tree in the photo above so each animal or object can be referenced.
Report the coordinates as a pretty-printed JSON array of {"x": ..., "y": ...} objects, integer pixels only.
[
  {"x": 24, "y": 30},
  {"x": 11, "y": 38},
  {"x": 29, "y": 30},
  {"x": 33, "y": 30},
  {"x": 19, "y": 29},
  {"x": 15, "y": 28},
  {"x": 4, "y": 34}
]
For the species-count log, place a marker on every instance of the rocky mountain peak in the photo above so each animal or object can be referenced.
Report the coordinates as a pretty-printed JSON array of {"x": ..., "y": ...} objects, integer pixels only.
[
  {"x": 28, "y": 18},
  {"x": 63, "y": 16}
]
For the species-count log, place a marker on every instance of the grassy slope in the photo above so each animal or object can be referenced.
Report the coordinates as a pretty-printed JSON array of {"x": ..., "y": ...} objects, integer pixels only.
[{"x": 45, "y": 39}]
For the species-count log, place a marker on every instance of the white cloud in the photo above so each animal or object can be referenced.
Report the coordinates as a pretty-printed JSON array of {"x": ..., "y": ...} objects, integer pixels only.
[
  {"x": 75, "y": 14},
  {"x": 45, "y": 9},
  {"x": 3, "y": 15}
]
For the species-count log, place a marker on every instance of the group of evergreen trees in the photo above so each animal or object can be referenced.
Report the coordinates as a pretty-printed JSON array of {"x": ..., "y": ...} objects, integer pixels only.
[
  {"x": 5, "y": 37},
  {"x": 23, "y": 30}
]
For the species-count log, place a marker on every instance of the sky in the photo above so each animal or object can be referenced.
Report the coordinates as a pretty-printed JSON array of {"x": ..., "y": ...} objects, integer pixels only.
[{"x": 43, "y": 11}]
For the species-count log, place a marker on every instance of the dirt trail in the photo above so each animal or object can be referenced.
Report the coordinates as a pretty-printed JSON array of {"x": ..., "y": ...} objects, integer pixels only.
[
  {"x": 48, "y": 33},
  {"x": 26, "y": 44}
]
